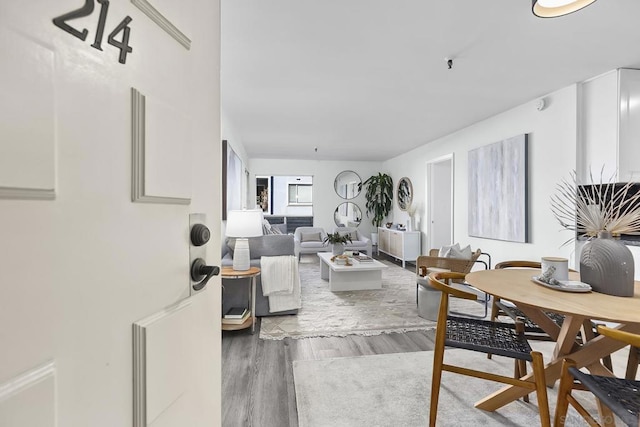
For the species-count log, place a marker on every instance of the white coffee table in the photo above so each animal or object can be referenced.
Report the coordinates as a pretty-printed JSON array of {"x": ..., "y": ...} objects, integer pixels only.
[{"x": 355, "y": 277}]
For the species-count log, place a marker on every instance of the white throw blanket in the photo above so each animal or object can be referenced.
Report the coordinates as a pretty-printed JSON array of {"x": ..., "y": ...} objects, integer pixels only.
[{"x": 281, "y": 282}]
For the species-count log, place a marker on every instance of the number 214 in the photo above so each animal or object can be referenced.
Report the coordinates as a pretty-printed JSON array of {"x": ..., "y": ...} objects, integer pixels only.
[{"x": 86, "y": 10}]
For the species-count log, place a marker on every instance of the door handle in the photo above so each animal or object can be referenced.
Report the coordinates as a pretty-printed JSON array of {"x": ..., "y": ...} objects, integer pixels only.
[{"x": 201, "y": 273}]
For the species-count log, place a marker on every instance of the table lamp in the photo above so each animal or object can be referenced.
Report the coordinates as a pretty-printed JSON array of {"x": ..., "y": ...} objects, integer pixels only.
[{"x": 242, "y": 224}]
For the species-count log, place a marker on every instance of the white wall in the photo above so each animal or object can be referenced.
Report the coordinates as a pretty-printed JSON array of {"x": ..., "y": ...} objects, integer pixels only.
[
  {"x": 552, "y": 156},
  {"x": 77, "y": 271},
  {"x": 325, "y": 199}
]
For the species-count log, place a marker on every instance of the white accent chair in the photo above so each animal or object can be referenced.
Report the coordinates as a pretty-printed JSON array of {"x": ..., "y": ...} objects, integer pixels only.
[
  {"x": 310, "y": 240},
  {"x": 359, "y": 242}
]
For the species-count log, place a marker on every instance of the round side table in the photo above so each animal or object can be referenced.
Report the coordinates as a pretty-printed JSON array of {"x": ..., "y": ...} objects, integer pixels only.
[{"x": 251, "y": 274}]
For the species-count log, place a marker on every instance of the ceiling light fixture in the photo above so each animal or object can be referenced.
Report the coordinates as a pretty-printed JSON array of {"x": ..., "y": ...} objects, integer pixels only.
[{"x": 555, "y": 8}]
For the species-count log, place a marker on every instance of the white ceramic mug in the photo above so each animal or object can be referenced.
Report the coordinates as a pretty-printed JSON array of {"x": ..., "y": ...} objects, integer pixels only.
[{"x": 561, "y": 267}]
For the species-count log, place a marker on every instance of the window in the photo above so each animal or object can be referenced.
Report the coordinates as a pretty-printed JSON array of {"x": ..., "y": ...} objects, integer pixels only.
[{"x": 300, "y": 194}]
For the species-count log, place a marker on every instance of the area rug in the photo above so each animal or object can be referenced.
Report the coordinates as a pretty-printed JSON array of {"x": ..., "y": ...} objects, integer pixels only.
[
  {"x": 394, "y": 390},
  {"x": 371, "y": 312}
]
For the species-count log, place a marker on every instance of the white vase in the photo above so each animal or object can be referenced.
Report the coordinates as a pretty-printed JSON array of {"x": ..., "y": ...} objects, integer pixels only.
[
  {"x": 374, "y": 238},
  {"x": 337, "y": 248}
]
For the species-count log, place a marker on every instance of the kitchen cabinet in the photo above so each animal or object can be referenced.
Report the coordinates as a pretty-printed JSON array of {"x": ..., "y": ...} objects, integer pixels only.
[{"x": 610, "y": 127}]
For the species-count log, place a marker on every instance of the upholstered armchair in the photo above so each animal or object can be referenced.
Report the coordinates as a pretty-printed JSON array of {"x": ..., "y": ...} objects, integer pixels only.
[
  {"x": 310, "y": 240},
  {"x": 359, "y": 242}
]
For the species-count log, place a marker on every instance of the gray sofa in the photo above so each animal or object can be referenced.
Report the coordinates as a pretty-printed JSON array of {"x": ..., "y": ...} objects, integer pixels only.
[{"x": 235, "y": 292}]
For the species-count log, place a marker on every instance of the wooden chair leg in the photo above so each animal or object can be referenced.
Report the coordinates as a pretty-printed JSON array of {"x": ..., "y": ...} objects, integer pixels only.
[
  {"x": 564, "y": 389},
  {"x": 436, "y": 376},
  {"x": 521, "y": 365},
  {"x": 588, "y": 333},
  {"x": 541, "y": 388},
  {"x": 632, "y": 363},
  {"x": 520, "y": 370},
  {"x": 494, "y": 313}
]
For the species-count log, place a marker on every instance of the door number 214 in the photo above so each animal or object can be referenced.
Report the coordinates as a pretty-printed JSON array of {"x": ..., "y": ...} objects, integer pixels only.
[{"x": 86, "y": 10}]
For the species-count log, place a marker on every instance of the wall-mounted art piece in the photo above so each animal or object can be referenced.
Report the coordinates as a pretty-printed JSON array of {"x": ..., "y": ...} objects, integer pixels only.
[
  {"x": 231, "y": 180},
  {"x": 498, "y": 190}
]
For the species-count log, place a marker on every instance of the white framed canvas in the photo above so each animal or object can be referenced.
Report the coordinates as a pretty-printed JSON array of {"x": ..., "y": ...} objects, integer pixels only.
[
  {"x": 498, "y": 190},
  {"x": 231, "y": 180}
]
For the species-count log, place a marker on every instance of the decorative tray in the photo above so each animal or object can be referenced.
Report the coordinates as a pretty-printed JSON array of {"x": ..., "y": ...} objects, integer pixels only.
[
  {"x": 564, "y": 285},
  {"x": 341, "y": 260}
]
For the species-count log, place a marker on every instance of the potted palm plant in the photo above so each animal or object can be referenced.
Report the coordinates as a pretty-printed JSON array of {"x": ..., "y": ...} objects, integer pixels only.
[
  {"x": 379, "y": 195},
  {"x": 337, "y": 241}
]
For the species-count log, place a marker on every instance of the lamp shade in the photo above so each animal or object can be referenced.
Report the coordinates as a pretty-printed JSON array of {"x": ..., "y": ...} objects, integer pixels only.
[
  {"x": 244, "y": 223},
  {"x": 555, "y": 8}
]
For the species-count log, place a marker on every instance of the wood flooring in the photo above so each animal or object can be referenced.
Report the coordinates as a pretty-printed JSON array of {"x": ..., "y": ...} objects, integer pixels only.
[{"x": 257, "y": 375}]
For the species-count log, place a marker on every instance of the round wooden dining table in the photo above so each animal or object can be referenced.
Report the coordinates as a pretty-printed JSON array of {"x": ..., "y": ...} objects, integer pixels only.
[{"x": 579, "y": 308}]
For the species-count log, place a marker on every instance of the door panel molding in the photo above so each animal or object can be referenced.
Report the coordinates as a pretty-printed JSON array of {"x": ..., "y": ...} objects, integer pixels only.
[
  {"x": 140, "y": 178},
  {"x": 33, "y": 389},
  {"x": 162, "y": 347},
  {"x": 147, "y": 8}
]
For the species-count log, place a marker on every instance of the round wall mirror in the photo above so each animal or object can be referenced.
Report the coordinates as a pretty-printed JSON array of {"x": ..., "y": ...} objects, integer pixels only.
[
  {"x": 347, "y": 214},
  {"x": 347, "y": 184},
  {"x": 405, "y": 193}
]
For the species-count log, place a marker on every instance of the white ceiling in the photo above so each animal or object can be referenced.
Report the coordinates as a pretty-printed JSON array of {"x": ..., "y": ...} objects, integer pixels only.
[{"x": 368, "y": 80}]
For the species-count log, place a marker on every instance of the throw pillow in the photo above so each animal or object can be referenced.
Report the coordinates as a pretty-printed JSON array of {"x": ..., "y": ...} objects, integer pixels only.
[
  {"x": 276, "y": 230},
  {"x": 310, "y": 237},
  {"x": 444, "y": 251},
  {"x": 266, "y": 227},
  {"x": 464, "y": 253}
]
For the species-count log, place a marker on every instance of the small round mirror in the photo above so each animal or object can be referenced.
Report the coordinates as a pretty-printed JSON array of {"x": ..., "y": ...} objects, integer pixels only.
[
  {"x": 347, "y": 184},
  {"x": 405, "y": 193},
  {"x": 347, "y": 214}
]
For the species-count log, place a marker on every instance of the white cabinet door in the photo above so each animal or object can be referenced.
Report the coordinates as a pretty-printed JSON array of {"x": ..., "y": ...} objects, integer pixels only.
[{"x": 629, "y": 125}]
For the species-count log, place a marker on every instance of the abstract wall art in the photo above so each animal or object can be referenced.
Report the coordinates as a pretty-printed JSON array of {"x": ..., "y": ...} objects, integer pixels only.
[
  {"x": 231, "y": 180},
  {"x": 498, "y": 190}
]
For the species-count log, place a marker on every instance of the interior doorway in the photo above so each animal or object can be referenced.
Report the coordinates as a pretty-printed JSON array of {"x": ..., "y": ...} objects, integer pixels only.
[
  {"x": 262, "y": 193},
  {"x": 439, "y": 199}
]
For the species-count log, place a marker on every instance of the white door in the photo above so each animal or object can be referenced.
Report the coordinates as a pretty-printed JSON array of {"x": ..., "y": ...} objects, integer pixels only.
[
  {"x": 80, "y": 262},
  {"x": 440, "y": 201}
]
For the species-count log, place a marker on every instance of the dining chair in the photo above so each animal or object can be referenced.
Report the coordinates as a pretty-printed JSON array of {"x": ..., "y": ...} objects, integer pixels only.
[
  {"x": 459, "y": 265},
  {"x": 620, "y": 395},
  {"x": 504, "y": 339},
  {"x": 426, "y": 264},
  {"x": 632, "y": 363},
  {"x": 505, "y": 308},
  {"x": 532, "y": 330}
]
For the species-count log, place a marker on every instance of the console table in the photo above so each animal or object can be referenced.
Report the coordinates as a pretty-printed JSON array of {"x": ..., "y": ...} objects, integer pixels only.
[{"x": 402, "y": 245}]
